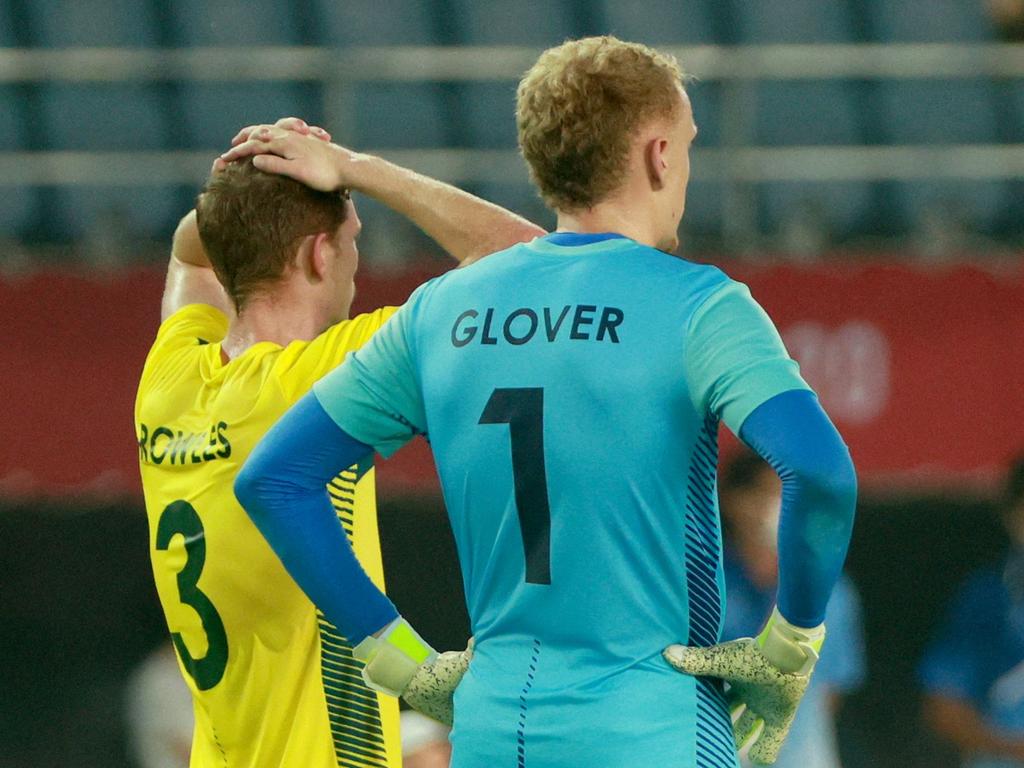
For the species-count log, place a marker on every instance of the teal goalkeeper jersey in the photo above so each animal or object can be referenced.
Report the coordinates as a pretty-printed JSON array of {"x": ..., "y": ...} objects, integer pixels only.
[{"x": 571, "y": 389}]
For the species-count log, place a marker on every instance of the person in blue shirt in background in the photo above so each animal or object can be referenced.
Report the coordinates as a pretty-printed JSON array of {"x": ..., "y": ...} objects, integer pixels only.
[
  {"x": 750, "y": 496},
  {"x": 572, "y": 389},
  {"x": 972, "y": 672}
]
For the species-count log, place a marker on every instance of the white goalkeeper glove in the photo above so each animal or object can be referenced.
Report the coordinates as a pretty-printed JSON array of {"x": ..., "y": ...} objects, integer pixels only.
[
  {"x": 401, "y": 663},
  {"x": 767, "y": 678}
]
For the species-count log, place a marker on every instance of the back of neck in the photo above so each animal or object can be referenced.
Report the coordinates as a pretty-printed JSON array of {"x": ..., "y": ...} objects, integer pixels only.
[
  {"x": 610, "y": 216},
  {"x": 275, "y": 322}
]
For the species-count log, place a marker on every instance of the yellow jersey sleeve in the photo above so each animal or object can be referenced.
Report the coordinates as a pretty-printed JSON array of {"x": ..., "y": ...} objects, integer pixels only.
[
  {"x": 305, "y": 363},
  {"x": 190, "y": 326}
]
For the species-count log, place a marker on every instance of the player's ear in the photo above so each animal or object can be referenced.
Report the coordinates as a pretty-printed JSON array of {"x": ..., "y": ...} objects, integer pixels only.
[
  {"x": 318, "y": 254},
  {"x": 656, "y": 161}
]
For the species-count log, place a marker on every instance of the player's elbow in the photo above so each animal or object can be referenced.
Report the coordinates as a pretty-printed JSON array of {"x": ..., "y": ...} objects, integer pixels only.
[
  {"x": 836, "y": 474},
  {"x": 522, "y": 231},
  {"x": 247, "y": 488},
  {"x": 253, "y": 485},
  {"x": 529, "y": 231},
  {"x": 517, "y": 231},
  {"x": 270, "y": 483},
  {"x": 831, "y": 479},
  {"x": 187, "y": 229}
]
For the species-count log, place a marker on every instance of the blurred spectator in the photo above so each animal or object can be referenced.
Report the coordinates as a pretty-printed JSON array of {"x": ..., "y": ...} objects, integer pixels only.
[
  {"x": 1008, "y": 16},
  {"x": 804, "y": 231},
  {"x": 107, "y": 241},
  {"x": 751, "y": 498},
  {"x": 941, "y": 231},
  {"x": 973, "y": 671},
  {"x": 424, "y": 742},
  {"x": 158, "y": 712}
]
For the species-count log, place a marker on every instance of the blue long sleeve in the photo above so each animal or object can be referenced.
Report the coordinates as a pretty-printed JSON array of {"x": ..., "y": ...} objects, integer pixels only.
[
  {"x": 819, "y": 495},
  {"x": 283, "y": 488}
]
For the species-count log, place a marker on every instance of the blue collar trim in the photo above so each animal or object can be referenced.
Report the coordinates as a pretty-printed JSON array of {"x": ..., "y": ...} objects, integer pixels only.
[{"x": 580, "y": 238}]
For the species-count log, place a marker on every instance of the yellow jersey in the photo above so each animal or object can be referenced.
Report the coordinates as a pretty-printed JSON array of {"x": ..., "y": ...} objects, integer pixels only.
[{"x": 273, "y": 684}]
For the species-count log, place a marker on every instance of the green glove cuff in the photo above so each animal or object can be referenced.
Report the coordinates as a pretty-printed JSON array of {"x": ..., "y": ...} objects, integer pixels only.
[
  {"x": 391, "y": 660},
  {"x": 792, "y": 649}
]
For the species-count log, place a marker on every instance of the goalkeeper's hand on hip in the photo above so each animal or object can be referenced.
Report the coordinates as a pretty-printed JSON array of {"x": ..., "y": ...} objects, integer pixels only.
[
  {"x": 767, "y": 677},
  {"x": 401, "y": 663}
]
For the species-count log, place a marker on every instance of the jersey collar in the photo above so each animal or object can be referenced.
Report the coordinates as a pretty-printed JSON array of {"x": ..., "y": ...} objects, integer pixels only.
[
  {"x": 578, "y": 242},
  {"x": 580, "y": 238}
]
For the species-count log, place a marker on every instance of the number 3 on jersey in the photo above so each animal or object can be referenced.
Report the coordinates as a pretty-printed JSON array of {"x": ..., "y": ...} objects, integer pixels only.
[
  {"x": 181, "y": 517},
  {"x": 523, "y": 410}
]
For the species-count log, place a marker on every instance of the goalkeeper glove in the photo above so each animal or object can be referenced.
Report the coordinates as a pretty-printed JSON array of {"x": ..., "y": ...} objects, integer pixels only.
[
  {"x": 401, "y": 663},
  {"x": 767, "y": 678}
]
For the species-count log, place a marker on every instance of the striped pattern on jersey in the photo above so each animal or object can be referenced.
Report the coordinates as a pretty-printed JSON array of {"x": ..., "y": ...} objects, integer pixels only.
[
  {"x": 702, "y": 540},
  {"x": 715, "y": 743},
  {"x": 527, "y": 686},
  {"x": 352, "y": 708}
]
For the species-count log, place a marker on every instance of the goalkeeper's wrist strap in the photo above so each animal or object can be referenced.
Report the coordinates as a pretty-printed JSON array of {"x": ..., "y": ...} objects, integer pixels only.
[
  {"x": 792, "y": 649},
  {"x": 391, "y": 659}
]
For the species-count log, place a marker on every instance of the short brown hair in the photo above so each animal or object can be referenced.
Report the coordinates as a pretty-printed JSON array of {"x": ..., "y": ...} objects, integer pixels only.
[
  {"x": 577, "y": 108},
  {"x": 251, "y": 223}
]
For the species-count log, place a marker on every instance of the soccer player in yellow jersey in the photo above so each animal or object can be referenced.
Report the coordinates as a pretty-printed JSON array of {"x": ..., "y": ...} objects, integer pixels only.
[{"x": 255, "y": 310}]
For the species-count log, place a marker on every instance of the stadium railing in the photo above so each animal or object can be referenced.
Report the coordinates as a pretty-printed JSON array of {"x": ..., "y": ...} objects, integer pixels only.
[{"x": 735, "y": 162}]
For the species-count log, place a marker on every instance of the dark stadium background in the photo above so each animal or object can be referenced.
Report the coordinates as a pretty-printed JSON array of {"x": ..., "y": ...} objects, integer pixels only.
[{"x": 867, "y": 179}]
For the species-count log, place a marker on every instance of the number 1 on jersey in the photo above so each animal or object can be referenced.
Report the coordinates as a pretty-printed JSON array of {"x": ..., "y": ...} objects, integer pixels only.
[{"x": 523, "y": 410}]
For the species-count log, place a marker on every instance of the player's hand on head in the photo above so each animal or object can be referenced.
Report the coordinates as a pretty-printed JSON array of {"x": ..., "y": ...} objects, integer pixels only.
[
  {"x": 316, "y": 163},
  {"x": 295, "y": 124},
  {"x": 266, "y": 132},
  {"x": 305, "y": 157},
  {"x": 767, "y": 678}
]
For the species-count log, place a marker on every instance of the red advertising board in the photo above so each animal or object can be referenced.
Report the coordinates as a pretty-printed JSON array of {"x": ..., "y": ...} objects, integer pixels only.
[{"x": 922, "y": 369}]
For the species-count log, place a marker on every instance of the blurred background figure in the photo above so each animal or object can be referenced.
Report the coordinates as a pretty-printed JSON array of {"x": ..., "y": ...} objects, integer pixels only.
[
  {"x": 973, "y": 670},
  {"x": 158, "y": 712},
  {"x": 1008, "y": 16},
  {"x": 424, "y": 742},
  {"x": 751, "y": 497}
]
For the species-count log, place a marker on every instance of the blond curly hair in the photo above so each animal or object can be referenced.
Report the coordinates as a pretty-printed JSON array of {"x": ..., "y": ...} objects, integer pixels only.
[{"x": 577, "y": 109}]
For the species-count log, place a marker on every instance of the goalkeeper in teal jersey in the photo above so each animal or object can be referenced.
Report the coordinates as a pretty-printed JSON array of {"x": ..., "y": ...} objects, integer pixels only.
[{"x": 571, "y": 389}]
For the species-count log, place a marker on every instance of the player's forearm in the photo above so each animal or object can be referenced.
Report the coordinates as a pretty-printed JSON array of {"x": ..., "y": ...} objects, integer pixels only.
[
  {"x": 464, "y": 225},
  {"x": 819, "y": 496},
  {"x": 190, "y": 277},
  {"x": 282, "y": 488},
  {"x": 961, "y": 724}
]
